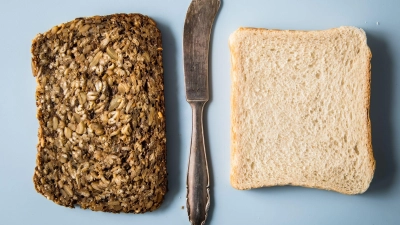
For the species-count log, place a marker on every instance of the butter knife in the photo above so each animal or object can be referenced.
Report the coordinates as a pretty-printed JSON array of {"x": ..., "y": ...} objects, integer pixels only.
[{"x": 196, "y": 39}]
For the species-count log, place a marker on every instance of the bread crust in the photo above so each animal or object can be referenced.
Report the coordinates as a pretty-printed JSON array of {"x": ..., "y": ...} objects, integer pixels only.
[
  {"x": 367, "y": 107},
  {"x": 234, "y": 46}
]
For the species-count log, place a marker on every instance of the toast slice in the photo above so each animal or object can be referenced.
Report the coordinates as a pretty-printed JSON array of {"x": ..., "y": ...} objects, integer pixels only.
[
  {"x": 300, "y": 109},
  {"x": 100, "y": 106}
]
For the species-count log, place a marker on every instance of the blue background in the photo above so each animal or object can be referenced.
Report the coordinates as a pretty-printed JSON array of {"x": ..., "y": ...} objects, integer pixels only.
[{"x": 20, "y": 21}]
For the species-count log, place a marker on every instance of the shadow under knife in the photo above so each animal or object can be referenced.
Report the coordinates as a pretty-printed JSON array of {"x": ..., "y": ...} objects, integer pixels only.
[{"x": 206, "y": 124}]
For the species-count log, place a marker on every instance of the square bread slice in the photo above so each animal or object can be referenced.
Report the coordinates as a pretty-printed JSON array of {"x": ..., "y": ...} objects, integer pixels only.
[
  {"x": 100, "y": 106},
  {"x": 300, "y": 109}
]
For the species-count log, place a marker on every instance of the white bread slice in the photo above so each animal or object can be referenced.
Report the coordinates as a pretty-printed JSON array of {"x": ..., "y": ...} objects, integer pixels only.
[{"x": 300, "y": 109}]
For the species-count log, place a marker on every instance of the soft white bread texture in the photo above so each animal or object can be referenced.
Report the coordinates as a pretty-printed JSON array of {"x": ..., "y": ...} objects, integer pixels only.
[{"x": 300, "y": 109}]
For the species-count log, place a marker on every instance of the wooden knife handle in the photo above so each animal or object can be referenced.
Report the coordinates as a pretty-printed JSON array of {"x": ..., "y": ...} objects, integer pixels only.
[{"x": 198, "y": 192}]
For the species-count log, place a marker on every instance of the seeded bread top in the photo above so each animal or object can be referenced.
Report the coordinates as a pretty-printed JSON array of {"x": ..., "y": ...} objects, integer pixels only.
[{"x": 100, "y": 101}]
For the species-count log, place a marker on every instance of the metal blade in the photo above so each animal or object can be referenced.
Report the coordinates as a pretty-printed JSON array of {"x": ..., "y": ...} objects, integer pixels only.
[{"x": 196, "y": 40}]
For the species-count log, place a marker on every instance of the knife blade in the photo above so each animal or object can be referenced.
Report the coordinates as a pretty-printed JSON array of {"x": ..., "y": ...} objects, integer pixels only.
[{"x": 196, "y": 40}]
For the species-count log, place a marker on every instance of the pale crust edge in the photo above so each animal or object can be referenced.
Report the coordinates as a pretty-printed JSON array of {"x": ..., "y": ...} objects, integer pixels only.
[{"x": 233, "y": 58}]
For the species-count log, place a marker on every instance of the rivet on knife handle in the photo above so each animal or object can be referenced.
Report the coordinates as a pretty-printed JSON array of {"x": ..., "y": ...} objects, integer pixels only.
[{"x": 196, "y": 40}]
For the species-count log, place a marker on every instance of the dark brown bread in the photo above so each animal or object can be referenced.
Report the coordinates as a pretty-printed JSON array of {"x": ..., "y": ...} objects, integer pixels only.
[{"x": 100, "y": 102}]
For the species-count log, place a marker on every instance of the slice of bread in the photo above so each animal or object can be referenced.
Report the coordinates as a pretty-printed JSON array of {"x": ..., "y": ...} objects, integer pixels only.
[
  {"x": 100, "y": 106},
  {"x": 300, "y": 109}
]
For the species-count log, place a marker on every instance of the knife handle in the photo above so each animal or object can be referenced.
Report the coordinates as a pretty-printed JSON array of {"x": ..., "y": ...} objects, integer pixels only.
[{"x": 198, "y": 192}]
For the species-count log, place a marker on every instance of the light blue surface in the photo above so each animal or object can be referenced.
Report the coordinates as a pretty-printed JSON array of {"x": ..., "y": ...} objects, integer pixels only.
[{"x": 20, "y": 21}]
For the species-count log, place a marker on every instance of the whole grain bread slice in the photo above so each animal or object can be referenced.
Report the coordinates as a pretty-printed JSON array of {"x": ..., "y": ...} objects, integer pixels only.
[{"x": 100, "y": 106}]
